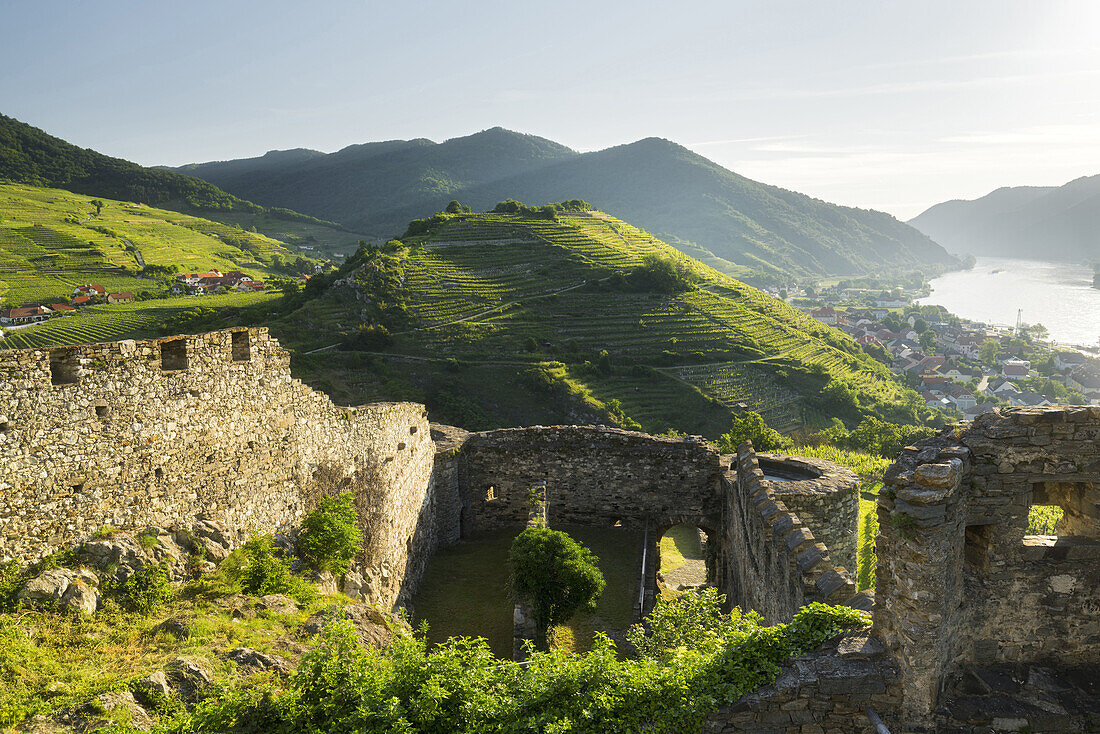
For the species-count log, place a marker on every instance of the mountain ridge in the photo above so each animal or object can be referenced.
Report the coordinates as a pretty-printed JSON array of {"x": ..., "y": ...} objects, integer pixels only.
[
  {"x": 1012, "y": 221},
  {"x": 701, "y": 207}
]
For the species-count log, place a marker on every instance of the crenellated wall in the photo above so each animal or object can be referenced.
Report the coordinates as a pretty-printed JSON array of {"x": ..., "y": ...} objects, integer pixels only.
[
  {"x": 138, "y": 433},
  {"x": 769, "y": 559}
]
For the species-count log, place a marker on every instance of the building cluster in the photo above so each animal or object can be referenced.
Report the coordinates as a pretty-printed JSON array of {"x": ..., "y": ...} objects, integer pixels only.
[
  {"x": 213, "y": 281},
  {"x": 947, "y": 364},
  {"x": 83, "y": 295}
]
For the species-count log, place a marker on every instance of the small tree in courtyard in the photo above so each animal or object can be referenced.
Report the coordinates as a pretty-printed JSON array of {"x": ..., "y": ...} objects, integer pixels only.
[
  {"x": 330, "y": 536},
  {"x": 557, "y": 574}
]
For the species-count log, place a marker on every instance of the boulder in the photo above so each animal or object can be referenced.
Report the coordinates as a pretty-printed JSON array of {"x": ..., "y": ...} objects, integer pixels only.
[
  {"x": 153, "y": 688},
  {"x": 189, "y": 678},
  {"x": 356, "y": 587},
  {"x": 179, "y": 627},
  {"x": 276, "y": 603},
  {"x": 81, "y": 597},
  {"x": 48, "y": 587},
  {"x": 119, "y": 553},
  {"x": 371, "y": 625},
  {"x": 255, "y": 661},
  {"x": 120, "y": 706}
]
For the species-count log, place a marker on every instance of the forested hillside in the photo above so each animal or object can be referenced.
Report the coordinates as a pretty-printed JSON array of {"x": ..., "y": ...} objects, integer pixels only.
[
  {"x": 522, "y": 317},
  {"x": 738, "y": 225},
  {"x": 1042, "y": 222}
]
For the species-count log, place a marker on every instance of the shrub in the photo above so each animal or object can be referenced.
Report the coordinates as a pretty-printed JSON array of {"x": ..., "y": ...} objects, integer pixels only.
[
  {"x": 263, "y": 573},
  {"x": 558, "y": 574},
  {"x": 147, "y": 589},
  {"x": 751, "y": 426},
  {"x": 330, "y": 536}
]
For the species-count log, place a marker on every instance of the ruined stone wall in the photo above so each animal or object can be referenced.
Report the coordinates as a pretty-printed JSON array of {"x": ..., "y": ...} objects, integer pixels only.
[
  {"x": 825, "y": 496},
  {"x": 159, "y": 432},
  {"x": 959, "y": 581},
  {"x": 770, "y": 561},
  {"x": 826, "y": 690},
  {"x": 593, "y": 475}
]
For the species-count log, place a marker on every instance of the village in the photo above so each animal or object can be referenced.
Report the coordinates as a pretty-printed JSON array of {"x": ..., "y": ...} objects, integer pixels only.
[
  {"x": 88, "y": 294},
  {"x": 960, "y": 367}
]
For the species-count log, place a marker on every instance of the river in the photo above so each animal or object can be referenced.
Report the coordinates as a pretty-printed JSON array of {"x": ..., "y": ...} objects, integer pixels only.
[{"x": 1057, "y": 295}]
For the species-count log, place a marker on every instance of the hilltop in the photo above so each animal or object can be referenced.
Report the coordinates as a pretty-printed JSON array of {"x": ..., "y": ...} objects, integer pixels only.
[
  {"x": 31, "y": 156},
  {"x": 740, "y": 226},
  {"x": 503, "y": 319},
  {"x": 1051, "y": 222}
]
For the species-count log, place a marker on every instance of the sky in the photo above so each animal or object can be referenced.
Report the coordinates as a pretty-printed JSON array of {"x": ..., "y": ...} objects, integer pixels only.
[{"x": 886, "y": 105}]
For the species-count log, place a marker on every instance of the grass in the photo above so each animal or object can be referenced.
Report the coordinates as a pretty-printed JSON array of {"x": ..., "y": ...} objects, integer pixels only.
[
  {"x": 678, "y": 545},
  {"x": 83, "y": 657},
  {"x": 52, "y": 240},
  {"x": 466, "y": 593}
]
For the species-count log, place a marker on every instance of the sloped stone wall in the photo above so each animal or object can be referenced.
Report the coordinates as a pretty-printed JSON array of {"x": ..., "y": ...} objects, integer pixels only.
[
  {"x": 770, "y": 560},
  {"x": 159, "y": 432}
]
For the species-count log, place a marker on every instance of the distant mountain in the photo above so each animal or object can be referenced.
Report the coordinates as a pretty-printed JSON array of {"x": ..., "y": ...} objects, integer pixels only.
[
  {"x": 1041, "y": 222},
  {"x": 727, "y": 220},
  {"x": 362, "y": 185},
  {"x": 30, "y": 156}
]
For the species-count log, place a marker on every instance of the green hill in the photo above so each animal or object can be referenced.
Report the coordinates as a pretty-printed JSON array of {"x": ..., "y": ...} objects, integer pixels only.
[
  {"x": 507, "y": 319},
  {"x": 53, "y": 240},
  {"x": 738, "y": 225}
]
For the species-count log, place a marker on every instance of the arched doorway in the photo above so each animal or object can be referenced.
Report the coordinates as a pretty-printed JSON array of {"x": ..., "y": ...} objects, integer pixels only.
[{"x": 682, "y": 559}]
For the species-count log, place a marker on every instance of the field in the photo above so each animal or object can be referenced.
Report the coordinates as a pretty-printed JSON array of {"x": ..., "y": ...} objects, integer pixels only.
[
  {"x": 52, "y": 240},
  {"x": 325, "y": 241},
  {"x": 491, "y": 293},
  {"x": 111, "y": 322}
]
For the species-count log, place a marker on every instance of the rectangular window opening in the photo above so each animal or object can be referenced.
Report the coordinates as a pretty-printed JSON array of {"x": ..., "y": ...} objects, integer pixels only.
[
  {"x": 1068, "y": 507},
  {"x": 173, "y": 355},
  {"x": 242, "y": 349},
  {"x": 64, "y": 367},
  {"x": 976, "y": 547}
]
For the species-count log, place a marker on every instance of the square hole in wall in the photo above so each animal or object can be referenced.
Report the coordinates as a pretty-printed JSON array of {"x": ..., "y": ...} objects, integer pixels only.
[
  {"x": 101, "y": 412},
  {"x": 1069, "y": 507},
  {"x": 242, "y": 347},
  {"x": 979, "y": 538},
  {"x": 173, "y": 355},
  {"x": 64, "y": 367}
]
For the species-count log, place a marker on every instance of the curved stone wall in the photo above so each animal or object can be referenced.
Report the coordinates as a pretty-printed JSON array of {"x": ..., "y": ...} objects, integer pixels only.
[{"x": 824, "y": 495}]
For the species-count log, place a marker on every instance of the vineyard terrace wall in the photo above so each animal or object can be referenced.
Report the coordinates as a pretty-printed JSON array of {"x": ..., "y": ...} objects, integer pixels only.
[{"x": 137, "y": 433}]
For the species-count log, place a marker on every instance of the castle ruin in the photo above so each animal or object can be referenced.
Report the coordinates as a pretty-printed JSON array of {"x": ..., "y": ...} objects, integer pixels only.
[{"x": 971, "y": 614}]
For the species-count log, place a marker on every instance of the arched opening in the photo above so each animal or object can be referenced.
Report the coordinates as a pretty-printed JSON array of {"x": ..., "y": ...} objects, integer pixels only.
[{"x": 683, "y": 559}]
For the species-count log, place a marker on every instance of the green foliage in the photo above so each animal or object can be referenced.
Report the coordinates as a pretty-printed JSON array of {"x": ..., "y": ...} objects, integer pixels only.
[
  {"x": 1043, "y": 519},
  {"x": 699, "y": 660},
  {"x": 750, "y": 426},
  {"x": 330, "y": 536},
  {"x": 559, "y": 575},
  {"x": 147, "y": 589},
  {"x": 884, "y": 439},
  {"x": 265, "y": 573}
]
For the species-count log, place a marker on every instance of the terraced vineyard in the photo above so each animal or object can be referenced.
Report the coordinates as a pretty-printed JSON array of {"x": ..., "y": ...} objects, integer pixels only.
[
  {"x": 110, "y": 322},
  {"x": 495, "y": 289},
  {"x": 52, "y": 240}
]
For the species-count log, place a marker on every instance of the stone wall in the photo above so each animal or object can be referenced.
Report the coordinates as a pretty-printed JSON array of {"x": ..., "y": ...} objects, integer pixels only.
[
  {"x": 824, "y": 495},
  {"x": 159, "y": 432},
  {"x": 960, "y": 583},
  {"x": 593, "y": 475},
  {"x": 827, "y": 690},
  {"x": 770, "y": 560}
]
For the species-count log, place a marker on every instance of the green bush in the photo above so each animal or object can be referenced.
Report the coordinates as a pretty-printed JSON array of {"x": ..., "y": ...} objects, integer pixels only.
[
  {"x": 147, "y": 589},
  {"x": 330, "y": 536},
  {"x": 751, "y": 426},
  {"x": 559, "y": 575},
  {"x": 264, "y": 573}
]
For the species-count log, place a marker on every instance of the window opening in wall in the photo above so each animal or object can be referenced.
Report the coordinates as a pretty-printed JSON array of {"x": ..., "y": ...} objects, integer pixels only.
[
  {"x": 101, "y": 412},
  {"x": 491, "y": 493},
  {"x": 64, "y": 366},
  {"x": 976, "y": 546},
  {"x": 78, "y": 487},
  {"x": 242, "y": 349},
  {"x": 158, "y": 473},
  {"x": 1064, "y": 508},
  {"x": 3, "y": 425},
  {"x": 412, "y": 430},
  {"x": 173, "y": 355}
]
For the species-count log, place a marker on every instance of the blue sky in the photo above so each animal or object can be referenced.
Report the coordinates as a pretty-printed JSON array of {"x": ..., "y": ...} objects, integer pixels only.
[{"x": 886, "y": 105}]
